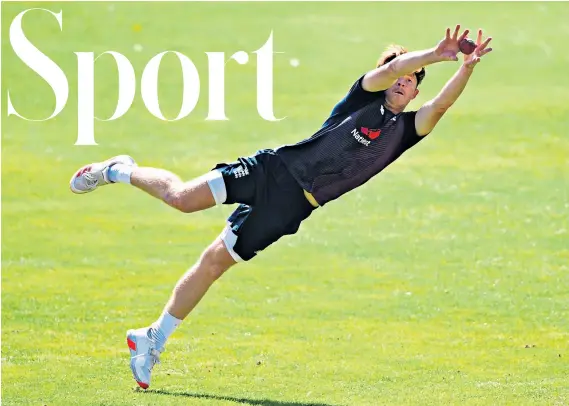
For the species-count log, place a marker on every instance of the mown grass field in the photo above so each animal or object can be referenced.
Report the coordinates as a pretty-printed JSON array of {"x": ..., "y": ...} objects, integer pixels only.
[{"x": 443, "y": 281}]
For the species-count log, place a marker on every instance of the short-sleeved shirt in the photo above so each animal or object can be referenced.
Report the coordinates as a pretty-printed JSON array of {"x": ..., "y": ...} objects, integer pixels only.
[{"x": 360, "y": 138}]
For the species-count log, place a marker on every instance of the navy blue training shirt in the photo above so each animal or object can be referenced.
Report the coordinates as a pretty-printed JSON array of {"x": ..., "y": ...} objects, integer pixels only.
[{"x": 359, "y": 139}]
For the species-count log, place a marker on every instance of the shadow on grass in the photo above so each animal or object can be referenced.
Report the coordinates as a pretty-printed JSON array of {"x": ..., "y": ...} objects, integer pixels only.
[{"x": 245, "y": 401}]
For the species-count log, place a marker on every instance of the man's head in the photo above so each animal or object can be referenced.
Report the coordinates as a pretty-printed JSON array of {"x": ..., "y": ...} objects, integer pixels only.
[{"x": 405, "y": 89}]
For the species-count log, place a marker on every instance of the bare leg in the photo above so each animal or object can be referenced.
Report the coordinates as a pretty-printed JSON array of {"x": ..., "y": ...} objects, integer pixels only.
[
  {"x": 193, "y": 285},
  {"x": 188, "y": 197},
  {"x": 146, "y": 344},
  {"x": 190, "y": 289}
]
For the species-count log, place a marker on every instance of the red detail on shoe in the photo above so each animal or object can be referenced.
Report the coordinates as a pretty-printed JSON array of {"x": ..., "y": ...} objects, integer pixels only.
[
  {"x": 142, "y": 385},
  {"x": 83, "y": 170},
  {"x": 131, "y": 344}
]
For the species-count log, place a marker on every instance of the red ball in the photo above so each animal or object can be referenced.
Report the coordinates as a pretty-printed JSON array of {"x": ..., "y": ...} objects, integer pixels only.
[{"x": 467, "y": 46}]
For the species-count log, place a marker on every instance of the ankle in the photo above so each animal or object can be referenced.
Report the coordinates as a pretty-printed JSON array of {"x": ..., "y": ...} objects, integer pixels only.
[
  {"x": 164, "y": 327},
  {"x": 120, "y": 173}
]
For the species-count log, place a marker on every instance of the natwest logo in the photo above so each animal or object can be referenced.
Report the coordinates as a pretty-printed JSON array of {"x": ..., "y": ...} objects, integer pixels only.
[
  {"x": 359, "y": 138},
  {"x": 49, "y": 71}
]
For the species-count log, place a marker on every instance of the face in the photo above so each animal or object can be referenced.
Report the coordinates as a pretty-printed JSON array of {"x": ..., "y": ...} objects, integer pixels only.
[{"x": 402, "y": 91}]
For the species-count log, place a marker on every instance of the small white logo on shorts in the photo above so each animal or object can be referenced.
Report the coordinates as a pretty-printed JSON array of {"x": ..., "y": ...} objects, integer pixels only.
[{"x": 240, "y": 172}]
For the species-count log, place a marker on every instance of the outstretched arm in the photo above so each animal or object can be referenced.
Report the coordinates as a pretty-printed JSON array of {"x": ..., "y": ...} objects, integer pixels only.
[
  {"x": 431, "y": 112},
  {"x": 383, "y": 77}
]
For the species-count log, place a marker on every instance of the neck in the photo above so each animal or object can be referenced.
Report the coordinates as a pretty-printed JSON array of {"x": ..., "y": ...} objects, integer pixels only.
[{"x": 392, "y": 108}]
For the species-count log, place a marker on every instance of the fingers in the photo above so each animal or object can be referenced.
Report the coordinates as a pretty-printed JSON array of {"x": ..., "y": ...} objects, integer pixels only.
[
  {"x": 476, "y": 58},
  {"x": 482, "y": 46},
  {"x": 456, "y": 30},
  {"x": 481, "y": 49},
  {"x": 463, "y": 36},
  {"x": 448, "y": 34},
  {"x": 479, "y": 38}
]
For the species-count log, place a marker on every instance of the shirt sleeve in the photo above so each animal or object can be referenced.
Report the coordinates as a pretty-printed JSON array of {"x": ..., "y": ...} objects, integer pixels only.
[
  {"x": 410, "y": 136},
  {"x": 356, "y": 98}
]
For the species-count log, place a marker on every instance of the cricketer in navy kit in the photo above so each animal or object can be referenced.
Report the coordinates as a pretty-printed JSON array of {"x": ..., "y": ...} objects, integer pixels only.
[{"x": 277, "y": 189}]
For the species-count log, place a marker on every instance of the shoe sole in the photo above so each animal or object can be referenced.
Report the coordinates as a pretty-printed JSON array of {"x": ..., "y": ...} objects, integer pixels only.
[
  {"x": 131, "y": 343},
  {"x": 123, "y": 159}
]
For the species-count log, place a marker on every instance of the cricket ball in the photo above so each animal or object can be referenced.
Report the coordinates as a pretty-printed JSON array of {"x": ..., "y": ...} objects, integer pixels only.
[{"x": 467, "y": 46}]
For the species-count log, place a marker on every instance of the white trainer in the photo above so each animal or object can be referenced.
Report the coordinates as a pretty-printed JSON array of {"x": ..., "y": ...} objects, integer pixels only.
[
  {"x": 143, "y": 355},
  {"x": 91, "y": 176}
]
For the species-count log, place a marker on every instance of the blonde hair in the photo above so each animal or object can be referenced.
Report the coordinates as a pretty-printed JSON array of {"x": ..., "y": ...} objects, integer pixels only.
[{"x": 390, "y": 53}]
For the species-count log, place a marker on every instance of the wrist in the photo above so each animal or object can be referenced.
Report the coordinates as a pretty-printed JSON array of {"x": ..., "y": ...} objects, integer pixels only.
[
  {"x": 434, "y": 56},
  {"x": 467, "y": 68}
]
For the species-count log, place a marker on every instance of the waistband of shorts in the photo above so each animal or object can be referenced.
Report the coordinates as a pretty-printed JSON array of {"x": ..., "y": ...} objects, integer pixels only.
[{"x": 310, "y": 198}]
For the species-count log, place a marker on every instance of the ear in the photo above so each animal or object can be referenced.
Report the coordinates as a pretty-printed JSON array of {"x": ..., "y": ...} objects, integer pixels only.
[{"x": 415, "y": 93}]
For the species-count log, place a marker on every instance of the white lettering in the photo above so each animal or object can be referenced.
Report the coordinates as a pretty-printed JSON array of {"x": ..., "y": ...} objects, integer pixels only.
[
  {"x": 265, "y": 80},
  {"x": 39, "y": 63},
  {"x": 49, "y": 71},
  {"x": 149, "y": 86},
  {"x": 86, "y": 93},
  {"x": 216, "y": 72},
  {"x": 359, "y": 138}
]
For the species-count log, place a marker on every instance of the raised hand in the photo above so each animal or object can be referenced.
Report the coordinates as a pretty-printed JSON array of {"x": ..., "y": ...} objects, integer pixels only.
[
  {"x": 481, "y": 49},
  {"x": 447, "y": 49}
]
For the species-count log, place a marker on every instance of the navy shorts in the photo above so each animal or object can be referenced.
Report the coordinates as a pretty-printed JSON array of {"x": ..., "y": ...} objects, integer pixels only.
[{"x": 271, "y": 203}]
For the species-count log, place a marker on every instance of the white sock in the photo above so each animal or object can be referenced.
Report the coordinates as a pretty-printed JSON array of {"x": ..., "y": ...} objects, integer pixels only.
[
  {"x": 164, "y": 327},
  {"x": 120, "y": 173}
]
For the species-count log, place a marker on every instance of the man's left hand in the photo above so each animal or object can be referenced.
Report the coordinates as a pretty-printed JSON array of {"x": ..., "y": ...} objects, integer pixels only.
[{"x": 470, "y": 61}]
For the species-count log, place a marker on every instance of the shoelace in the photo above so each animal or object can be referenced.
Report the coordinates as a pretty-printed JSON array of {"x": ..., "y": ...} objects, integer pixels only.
[
  {"x": 155, "y": 356},
  {"x": 90, "y": 179}
]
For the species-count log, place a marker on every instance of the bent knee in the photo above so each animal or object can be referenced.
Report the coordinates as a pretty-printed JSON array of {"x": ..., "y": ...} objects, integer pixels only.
[
  {"x": 215, "y": 261},
  {"x": 178, "y": 200}
]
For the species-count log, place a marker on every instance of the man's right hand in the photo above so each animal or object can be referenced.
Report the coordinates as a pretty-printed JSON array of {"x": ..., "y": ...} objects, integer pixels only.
[{"x": 447, "y": 49}]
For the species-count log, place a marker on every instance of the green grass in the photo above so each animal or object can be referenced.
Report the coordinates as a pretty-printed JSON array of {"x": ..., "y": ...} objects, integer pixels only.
[{"x": 442, "y": 281}]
